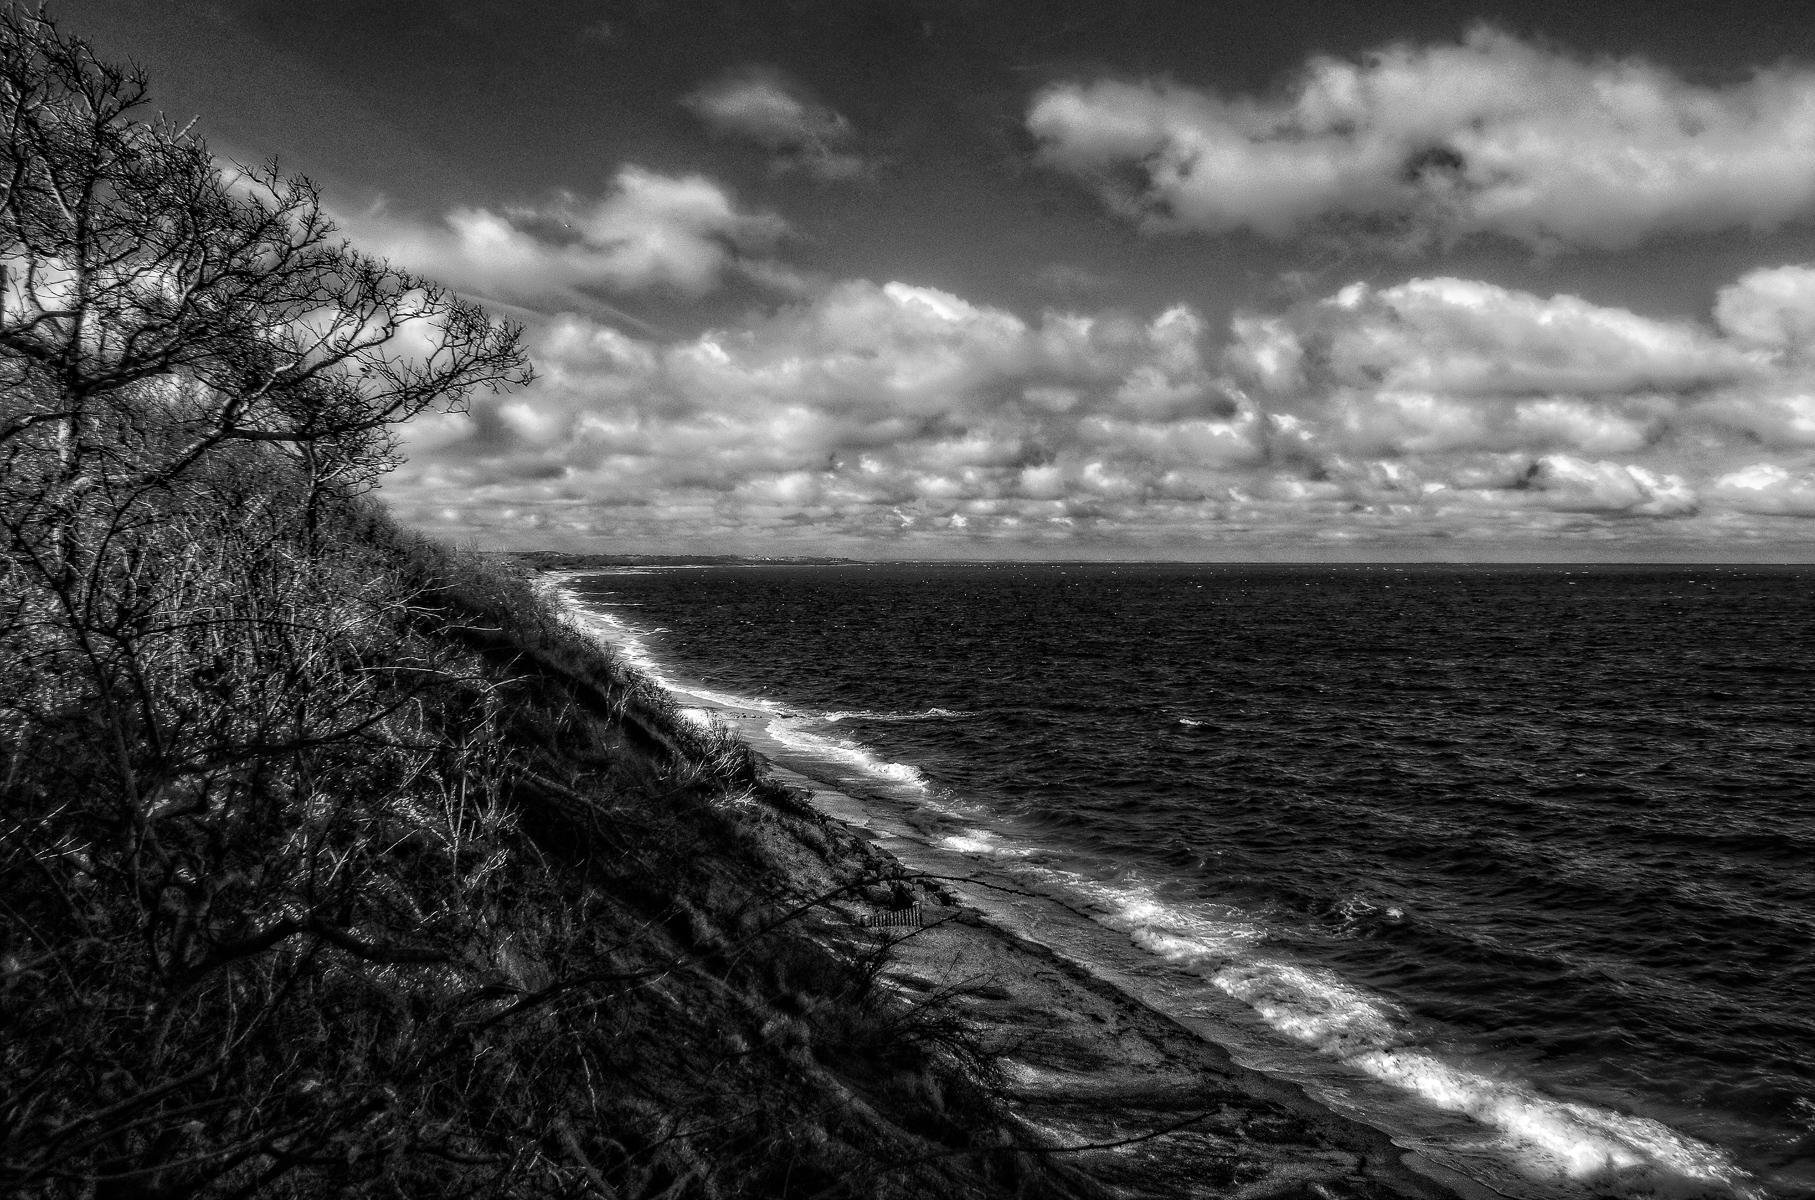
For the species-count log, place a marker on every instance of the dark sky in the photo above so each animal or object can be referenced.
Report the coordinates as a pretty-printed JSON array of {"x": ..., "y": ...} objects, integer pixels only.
[{"x": 1214, "y": 280}]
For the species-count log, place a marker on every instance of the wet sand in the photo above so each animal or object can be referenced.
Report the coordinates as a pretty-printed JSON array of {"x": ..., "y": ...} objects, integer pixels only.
[{"x": 1083, "y": 1063}]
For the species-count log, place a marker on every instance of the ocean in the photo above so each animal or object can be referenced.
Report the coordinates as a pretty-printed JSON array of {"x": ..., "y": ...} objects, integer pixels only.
[{"x": 1514, "y": 863}]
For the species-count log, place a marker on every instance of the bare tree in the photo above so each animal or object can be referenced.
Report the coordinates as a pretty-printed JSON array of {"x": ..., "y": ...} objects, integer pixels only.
[
  {"x": 221, "y": 735},
  {"x": 131, "y": 254},
  {"x": 157, "y": 309},
  {"x": 268, "y": 925}
]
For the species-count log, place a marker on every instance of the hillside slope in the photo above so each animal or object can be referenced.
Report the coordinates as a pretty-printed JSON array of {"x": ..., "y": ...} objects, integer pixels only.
[
  {"x": 528, "y": 933},
  {"x": 332, "y": 863}
]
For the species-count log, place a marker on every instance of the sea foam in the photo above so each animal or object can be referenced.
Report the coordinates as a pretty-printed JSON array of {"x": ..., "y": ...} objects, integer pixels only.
[
  {"x": 984, "y": 842},
  {"x": 1557, "y": 1147},
  {"x": 785, "y": 728},
  {"x": 630, "y": 642},
  {"x": 866, "y": 714},
  {"x": 1578, "y": 1147},
  {"x": 846, "y": 751}
]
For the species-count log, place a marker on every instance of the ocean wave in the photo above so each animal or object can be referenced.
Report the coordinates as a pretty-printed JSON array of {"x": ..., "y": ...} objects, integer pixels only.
[
  {"x": 867, "y": 714},
  {"x": 629, "y": 643},
  {"x": 600, "y": 625},
  {"x": 1542, "y": 1137},
  {"x": 984, "y": 841},
  {"x": 1559, "y": 1147},
  {"x": 599, "y": 622},
  {"x": 846, "y": 751},
  {"x": 1133, "y": 907},
  {"x": 1475, "y": 854}
]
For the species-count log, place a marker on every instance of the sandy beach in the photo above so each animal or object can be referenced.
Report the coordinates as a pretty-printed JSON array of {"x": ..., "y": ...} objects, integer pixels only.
[{"x": 1084, "y": 1064}]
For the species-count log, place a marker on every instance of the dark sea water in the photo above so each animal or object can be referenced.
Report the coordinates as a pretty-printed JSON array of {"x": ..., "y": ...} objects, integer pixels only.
[{"x": 1516, "y": 863}]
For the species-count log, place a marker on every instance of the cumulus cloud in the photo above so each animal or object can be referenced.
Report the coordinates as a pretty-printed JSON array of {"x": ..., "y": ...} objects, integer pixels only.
[
  {"x": 1482, "y": 397},
  {"x": 873, "y": 415},
  {"x": 1460, "y": 337},
  {"x": 1773, "y": 309},
  {"x": 1492, "y": 135},
  {"x": 680, "y": 234},
  {"x": 767, "y": 107},
  {"x": 868, "y": 411},
  {"x": 1768, "y": 488}
]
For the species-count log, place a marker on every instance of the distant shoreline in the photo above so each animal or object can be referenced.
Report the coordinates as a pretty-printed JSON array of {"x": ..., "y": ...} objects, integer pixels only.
[
  {"x": 1085, "y": 1060},
  {"x": 556, "y": 560}
]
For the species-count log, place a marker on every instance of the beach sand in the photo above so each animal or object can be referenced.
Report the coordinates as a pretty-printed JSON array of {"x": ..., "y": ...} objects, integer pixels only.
[{"x": 1082, "y": 1062}]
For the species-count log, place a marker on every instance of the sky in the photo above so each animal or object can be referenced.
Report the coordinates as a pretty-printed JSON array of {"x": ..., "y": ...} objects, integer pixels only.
[{"x": 1143, "y": 280}]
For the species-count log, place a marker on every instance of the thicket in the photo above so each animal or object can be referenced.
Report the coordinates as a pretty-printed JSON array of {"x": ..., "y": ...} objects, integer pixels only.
[{"x": 332, "y": 862}]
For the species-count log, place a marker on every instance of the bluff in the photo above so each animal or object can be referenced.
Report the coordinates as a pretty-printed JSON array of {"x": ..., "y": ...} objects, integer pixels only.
[{"x": 331, "y": 863}]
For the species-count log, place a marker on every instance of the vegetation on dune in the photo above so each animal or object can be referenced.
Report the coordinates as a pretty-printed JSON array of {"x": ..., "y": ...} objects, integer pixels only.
[{"x": 331, "y": 861}]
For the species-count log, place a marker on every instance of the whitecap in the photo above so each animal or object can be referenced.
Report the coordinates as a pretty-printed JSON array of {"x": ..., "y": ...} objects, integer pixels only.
[
  {"x": 843, "y": 750},
  {"x": 1544, "y": 1137},
  {"x": 627, "y": 641},
  {"x": 867, "y": 714},
  {"x": 1562, "y": 1147},
  {"x": 983, "y": 841},
  {"x": 1191, "y": 936}
]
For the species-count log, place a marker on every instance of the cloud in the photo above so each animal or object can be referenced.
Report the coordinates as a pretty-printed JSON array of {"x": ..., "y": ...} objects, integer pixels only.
[
  {"x": 680, "y": 234},
  {"x": 1768, "y": 488},
  {"x": 1462, "y": 394},
  {"x": 1492, "y": 135},
  {"x": 1464, "y": 338},
  {"x": 767, "y": 107},
  {"x": 870, "y": 417},
  {"x": 869, "y": 411},
  {"x": 1779, "y": 413},
  {"x": 1577, "y": 485},
  {"x": 1773, "y": 309}
]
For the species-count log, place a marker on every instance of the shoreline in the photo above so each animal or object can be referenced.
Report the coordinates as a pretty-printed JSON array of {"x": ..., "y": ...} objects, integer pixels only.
[
  {"x": 1460, "y": 1126},
  {"x": 1086, "y": 1062}
]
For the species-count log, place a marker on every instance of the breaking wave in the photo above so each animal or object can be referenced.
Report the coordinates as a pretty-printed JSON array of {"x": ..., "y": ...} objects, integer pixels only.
[
  {"x": 847, "y": 751},
  {"x": 1324, "y": 819},
  {"x": 868, "y": 714}
]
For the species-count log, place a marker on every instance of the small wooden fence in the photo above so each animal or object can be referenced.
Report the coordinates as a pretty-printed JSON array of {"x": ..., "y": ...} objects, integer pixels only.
[{"x": 895, "y": 918}]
